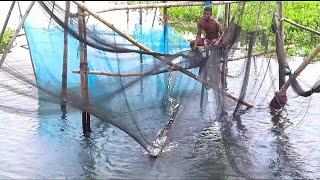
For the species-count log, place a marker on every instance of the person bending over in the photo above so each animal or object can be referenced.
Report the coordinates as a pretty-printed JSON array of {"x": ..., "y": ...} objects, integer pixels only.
[{"x": 212, "y": 29}]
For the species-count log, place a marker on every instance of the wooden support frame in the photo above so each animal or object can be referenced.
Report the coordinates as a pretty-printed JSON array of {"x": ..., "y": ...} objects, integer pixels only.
[{"x": 161, "y": 58}]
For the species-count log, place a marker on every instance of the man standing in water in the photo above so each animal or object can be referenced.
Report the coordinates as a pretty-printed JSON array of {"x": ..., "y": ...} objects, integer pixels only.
[{"x": 211, "y": 27}]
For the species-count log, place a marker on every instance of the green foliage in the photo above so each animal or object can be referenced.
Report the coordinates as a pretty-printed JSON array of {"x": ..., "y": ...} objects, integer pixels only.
[
  {"x": 304, "y": 13},
  {"x": 184, "y": 19},
  {"x": 6, "y": 38},
  {"x": 250, "y": 15}
]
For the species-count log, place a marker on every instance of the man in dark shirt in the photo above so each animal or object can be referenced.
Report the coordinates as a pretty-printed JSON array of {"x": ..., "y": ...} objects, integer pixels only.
[{"x": 211, "y": 27}]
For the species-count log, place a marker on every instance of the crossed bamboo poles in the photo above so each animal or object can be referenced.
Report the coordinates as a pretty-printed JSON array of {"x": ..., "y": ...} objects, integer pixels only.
[{"x": 161, "y": 58}]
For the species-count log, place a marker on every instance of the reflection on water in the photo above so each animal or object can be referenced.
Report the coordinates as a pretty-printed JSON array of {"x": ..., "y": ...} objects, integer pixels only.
[{"x": 255, "y": 145}]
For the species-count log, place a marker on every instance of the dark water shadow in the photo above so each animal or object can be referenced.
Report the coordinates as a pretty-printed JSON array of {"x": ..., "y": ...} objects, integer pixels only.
[{"x": 287, "y": 163}]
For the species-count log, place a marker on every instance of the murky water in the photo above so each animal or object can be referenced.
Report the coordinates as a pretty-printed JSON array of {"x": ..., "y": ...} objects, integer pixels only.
[{"x": 255, "y": 146}]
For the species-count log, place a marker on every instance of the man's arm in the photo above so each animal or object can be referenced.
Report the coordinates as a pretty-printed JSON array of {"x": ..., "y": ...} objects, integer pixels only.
[
  {"x": 221, "y": 34},
  {"x": 198, "y": 37}
]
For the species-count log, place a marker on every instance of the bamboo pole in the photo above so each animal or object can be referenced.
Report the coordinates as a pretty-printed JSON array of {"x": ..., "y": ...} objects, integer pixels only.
[
  {"x": 225, "y": 62},
  {"x": 154, "y": 17},
  {"x": 302, "y": 66},
  {"x": 256, "y": 54},
  {"x": 31, "y": 59},
  {"x": 19, "y": 10},
  {"x": 282, "y": 77},
  {"x": 299, "y": 25},
  {"x": 83, "y": 72},
  {"x": 65, "y": 59},
  {"x": 173, "y": 69},
  {"x": 161, "y": 58},
  {"x": 159, "y": 5},
  {"x": 227, "y": 16},
  {"x": 165, "y": 29},
  {"x": 16, "y": 33},
  {"x": 7, "y": 20},
  {"x": 141, "y": 57}
]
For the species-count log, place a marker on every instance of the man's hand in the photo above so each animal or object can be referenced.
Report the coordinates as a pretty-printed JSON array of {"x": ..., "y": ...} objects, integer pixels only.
[
  {"x": 205, "y": 43},
  {"x": 195, "y": 47},
  {"x": 215, "y": 41}
]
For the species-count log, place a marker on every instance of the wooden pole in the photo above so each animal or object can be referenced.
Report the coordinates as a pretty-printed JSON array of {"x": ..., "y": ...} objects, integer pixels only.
[
  {"x": 141, "y": 60},
  {"x": 225, "y": 62},
  {"x": 135, "y": 42},
  {"x": 19, "y": 10},
  {"x": 256, "y": 54},
  {"x": 282, "y": 76},
  {"x": 302, "y": 66},
  {"x": 165, "y": 29},
  {"x": 140, "y": 23},
  {"x": 32, "y": 63},
  {"x": 7, "y": 20},
  {"x": 169, "y": 4},
  {"x": 227, "y": 16},
  {"x": 173, "y": 69},
  {"x": 299, "y": 25},
  {"x": 83, "y": 71},
  {"x": 16, "y": 33},
  {"x": 65, "y": 60},
  {"x": 154, "y": 17}
]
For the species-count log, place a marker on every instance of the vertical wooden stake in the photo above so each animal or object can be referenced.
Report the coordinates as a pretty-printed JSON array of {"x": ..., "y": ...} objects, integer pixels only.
[
  {"x": 225, "y": 62},
  {"x": 65, "y": 61},
  {"x": 84, "y": 71},
  {"x": 141, "y": 57},
  {"x": 282, "y": 76},
  {"x": 165, "y": 33}
]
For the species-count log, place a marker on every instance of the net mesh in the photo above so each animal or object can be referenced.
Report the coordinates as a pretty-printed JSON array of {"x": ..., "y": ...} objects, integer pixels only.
[{"x": 144, "y": 93}]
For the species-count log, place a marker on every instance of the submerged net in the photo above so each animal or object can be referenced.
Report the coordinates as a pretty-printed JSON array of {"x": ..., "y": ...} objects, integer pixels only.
[{"x": 143, "y": 93}]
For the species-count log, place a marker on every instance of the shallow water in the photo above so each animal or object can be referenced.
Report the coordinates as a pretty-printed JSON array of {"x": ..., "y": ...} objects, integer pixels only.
[{"x": 35, "y": 146}]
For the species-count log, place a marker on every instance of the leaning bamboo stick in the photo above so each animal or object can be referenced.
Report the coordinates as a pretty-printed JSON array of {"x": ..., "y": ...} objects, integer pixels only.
[
  {"x": 159, "y": 5},
  {"x": 7, "y": 20},
  {"x": 124, "y": 74},
  {"x": 255, "y": 54},
  {"x": 16, "y": 33},
  {"x": 303, "y": 65},
  {"x": 300, "y": 26},
  {"x": 173, "y": 69},
  {"x": 161, "y": 58}
]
